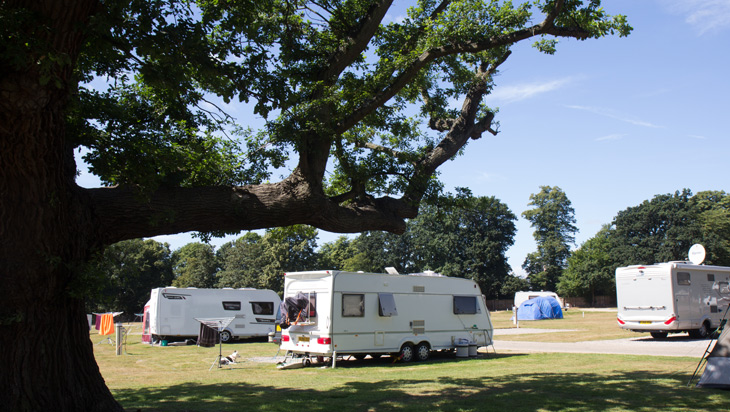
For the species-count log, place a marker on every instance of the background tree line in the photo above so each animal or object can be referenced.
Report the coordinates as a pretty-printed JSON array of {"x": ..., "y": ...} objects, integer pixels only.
[
  {"x": 457, "y": 235},
  {"x": 661, "y": 229}
]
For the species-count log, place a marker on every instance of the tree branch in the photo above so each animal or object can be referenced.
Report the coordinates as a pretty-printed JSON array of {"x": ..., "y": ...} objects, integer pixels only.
[
  {"x": 409, "y": 73},
  {"x": 382, "y": 149},
  {"x": 461, "y": 130},
  {"x": 357, "y": 42},
  {"x": 120, "y": 214}
]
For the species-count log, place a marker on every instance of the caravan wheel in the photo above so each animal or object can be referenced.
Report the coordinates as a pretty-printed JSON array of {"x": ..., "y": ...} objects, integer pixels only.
[
  {"x": 423, "y": 351},
  {"x": 406, "y": 352},
  {"x": 225, "y": 336}
]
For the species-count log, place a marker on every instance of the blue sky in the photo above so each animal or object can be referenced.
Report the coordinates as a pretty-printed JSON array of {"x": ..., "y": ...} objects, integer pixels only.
[{"x": 612, "y": 122}]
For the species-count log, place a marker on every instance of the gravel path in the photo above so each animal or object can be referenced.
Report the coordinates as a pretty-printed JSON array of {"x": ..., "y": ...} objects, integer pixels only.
[
  {"x": 675, "y": 345},
  {"x": 679, "y": 345}
]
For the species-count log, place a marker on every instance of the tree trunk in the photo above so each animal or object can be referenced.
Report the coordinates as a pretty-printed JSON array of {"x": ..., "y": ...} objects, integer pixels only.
[
  {"x": 45, "y": 352},
  {"x": 46, "y": 356}
]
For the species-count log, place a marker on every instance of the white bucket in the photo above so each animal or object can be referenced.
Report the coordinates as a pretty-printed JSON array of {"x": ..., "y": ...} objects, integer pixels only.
[
  {"x": 473, "y": 349},
  {"x": 462, "y": 348}
]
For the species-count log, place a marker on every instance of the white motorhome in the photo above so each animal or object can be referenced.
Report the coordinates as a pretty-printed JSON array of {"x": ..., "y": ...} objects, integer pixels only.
[
  {"x": 171, "y": 312},
  {"x": 384, "y": 314},
  {"x": 672, "y": 297},
  {"x": 523, "y": 296}
]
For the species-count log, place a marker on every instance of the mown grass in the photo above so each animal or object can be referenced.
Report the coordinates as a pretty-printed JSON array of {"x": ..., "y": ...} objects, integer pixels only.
[{"x": 178, "y": 379}]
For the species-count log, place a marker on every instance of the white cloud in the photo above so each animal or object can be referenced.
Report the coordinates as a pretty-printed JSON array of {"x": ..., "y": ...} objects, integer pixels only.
[
  {"x": 615, "y": 136},
  {"x": 613, "y": 115},
  {"x": 696, "y": 136},
  {"x": 706, "y": 16},
  {"x": 519, "y": 92}
]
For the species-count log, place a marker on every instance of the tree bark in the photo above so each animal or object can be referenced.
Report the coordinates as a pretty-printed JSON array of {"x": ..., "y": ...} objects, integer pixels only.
[
  {"x": 45, "y": 235},
  {"x": 46, "y": 356}
]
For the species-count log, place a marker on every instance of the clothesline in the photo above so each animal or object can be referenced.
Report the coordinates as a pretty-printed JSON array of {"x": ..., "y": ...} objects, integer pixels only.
[
  {"x": 105, "y": 322},
  {"x": 114, "y": 314}
]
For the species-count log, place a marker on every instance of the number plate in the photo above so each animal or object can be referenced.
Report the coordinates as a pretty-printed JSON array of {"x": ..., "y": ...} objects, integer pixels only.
[
  {"x": 644, "y": 322},
  {"x": 303, "y": 339}
]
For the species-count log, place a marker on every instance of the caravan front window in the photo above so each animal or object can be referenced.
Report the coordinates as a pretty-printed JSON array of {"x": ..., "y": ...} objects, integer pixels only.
[
  {"x": 353, "y": 305},
  {"x": 465, "y": 305},
  {"x": 683, "y": 278},
  {"x": 262, "y": 308}
]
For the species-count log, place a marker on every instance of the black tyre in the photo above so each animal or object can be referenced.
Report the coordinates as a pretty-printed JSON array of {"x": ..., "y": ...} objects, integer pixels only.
[
  {"x": 659, "y": 335},
  {"x": 423, "y": 351},
  {"x": 702, "y": 333},
  {"x": 406, "y": 353},
  {"x": 226, "y": 336}
]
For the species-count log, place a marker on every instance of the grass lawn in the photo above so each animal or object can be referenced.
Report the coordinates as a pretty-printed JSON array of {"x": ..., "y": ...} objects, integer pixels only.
[{"x": 178, "y": 379}]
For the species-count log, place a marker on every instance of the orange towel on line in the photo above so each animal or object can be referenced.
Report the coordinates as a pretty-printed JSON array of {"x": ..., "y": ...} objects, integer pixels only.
[{"x": 107, "y": 324}]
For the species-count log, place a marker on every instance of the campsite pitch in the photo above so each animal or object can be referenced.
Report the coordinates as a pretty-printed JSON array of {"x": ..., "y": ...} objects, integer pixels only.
[{"x": 178, "y": 379}]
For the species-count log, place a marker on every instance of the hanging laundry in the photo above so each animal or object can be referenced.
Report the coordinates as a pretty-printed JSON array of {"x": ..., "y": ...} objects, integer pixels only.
[
  {"x": 97, "y": 322},
  {"x": 207, "y": 337},
  {"x": 107, "y": 324}
]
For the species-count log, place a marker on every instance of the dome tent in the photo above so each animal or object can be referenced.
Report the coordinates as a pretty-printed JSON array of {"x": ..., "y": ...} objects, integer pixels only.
[{"x": 543, "y": 307}]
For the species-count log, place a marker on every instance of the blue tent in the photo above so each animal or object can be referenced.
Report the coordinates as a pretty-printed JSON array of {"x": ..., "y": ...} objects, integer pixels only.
[{"x": 543, "y": 307}]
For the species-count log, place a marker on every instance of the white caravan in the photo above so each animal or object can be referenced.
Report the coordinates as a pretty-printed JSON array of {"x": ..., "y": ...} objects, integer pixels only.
[
  {"x": 672, "y": 297},
  {"x": 384, "y": 314},
  {"x": 523, "y": 296},
  {"x": 171, "y": 312}
]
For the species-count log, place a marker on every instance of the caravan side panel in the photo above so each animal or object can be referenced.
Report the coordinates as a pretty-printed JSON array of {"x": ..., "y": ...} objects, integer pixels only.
[
  {"x": 173, "y": 311},
  {"x": 378, "y": 313}
]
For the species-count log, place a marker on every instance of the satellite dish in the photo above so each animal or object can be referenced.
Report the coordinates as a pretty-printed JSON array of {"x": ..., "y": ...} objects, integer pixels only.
[{"x": 697, "y": 254}]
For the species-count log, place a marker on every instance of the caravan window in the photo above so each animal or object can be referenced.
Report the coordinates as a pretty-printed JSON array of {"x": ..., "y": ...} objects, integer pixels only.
[
  {"x": 312, "y": 304},
  {"x": 387, "y": 305},
  {"x": 262, "y": 308},
  {"x": 353, "y": 305},
  {"x": 232, "y": 305},
  {"x": 683, "y": 278},
  {"x": 465, "y": 305}
]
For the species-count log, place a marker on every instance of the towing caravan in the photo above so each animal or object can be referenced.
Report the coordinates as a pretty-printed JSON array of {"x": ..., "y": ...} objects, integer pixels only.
[
  {"x": 171, "y": 312},
  {"x": 333, "y": 313},
  {"x": 672, "y": 297}
]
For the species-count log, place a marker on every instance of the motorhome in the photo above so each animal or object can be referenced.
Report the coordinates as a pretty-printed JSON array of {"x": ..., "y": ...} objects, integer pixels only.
[
  {"x": 171, "y": 312},
  {"x": 523, "y": 296},
  {"x": 359, "y": 314},
  {"x": 672, "y": 297}
]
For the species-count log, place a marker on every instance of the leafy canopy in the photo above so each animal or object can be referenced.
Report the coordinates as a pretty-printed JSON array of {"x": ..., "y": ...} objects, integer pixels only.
[{"x": 160, "y": 80}]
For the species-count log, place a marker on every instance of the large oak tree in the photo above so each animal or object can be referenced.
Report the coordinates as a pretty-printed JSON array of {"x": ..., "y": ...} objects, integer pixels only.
[{"x": 330, "y": 76}]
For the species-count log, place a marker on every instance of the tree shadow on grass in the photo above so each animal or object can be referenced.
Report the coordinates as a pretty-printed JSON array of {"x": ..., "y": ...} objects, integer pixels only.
[{"x": 584, "y": 392}]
